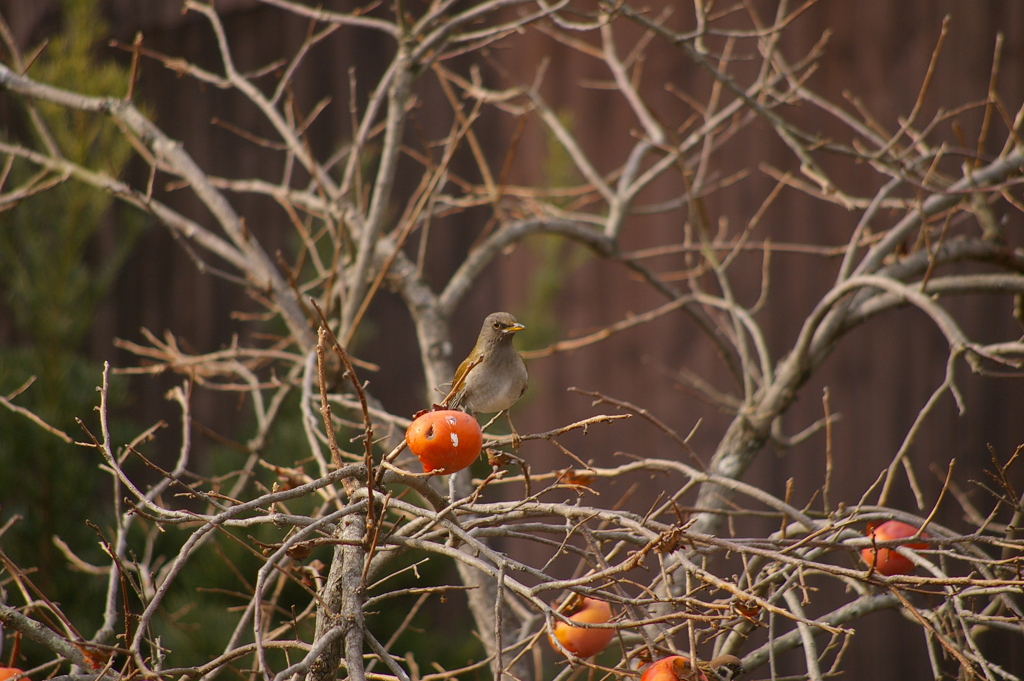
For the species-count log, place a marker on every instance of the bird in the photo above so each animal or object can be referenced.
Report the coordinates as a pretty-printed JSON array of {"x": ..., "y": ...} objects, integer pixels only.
[
  {"x": 725, "y": 667},
  {"x": 493, "y": 376}
]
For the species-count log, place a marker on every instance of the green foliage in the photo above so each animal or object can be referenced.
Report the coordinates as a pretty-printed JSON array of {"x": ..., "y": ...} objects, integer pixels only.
[
  {"x": 52, "y": 280},
  {"x": 51, "y": 287},
  {"x": 557, "y": 258}
]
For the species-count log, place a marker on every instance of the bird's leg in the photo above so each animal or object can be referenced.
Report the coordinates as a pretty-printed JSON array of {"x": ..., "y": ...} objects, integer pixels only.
[{"x": 516, "y": 440}]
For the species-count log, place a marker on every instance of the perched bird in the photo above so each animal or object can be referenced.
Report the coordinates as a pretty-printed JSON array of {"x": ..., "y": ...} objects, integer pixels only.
[
  {"x": 493, "y": 377},
  {"x": 726, "y": 667}
]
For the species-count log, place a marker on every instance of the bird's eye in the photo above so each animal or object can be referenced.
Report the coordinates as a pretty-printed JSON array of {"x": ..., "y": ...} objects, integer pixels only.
[{"x": 497, "y": 325}]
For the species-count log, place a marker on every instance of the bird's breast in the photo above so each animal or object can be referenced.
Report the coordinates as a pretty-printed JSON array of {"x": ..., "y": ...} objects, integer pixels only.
[{"x": 490, "y": 391}]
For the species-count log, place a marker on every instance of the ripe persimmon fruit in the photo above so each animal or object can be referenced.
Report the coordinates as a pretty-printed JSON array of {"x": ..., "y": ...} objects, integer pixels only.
[
  {"x": 888, "y": 561},
  {"x": 445, "y": 441},
  {"x": 584, "y": 642},
  {"x": 673, "y": 668}
]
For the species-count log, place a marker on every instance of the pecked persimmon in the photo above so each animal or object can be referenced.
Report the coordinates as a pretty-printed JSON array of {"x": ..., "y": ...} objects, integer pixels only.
[
  {"x": 584, "y": 642},
  {"x": 678, "y": 668},
  {"x": 673, "y": 668},
  {"x": 9, "y": 673},
  {"x": 888, "y": 561},
  {"x": 445, "y": 441}
]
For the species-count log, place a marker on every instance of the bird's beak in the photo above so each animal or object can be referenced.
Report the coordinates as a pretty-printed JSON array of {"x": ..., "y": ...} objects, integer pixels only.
[{"x": 515, "y": 327}]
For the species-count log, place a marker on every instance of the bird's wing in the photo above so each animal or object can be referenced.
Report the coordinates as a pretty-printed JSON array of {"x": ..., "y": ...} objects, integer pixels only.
[{"x": 457, "y": 392}]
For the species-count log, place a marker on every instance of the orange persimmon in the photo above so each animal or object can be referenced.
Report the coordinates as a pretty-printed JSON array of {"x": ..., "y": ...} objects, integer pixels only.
[
  {"x": 888, "y": 561},
  {"x": 673, "y": 668},
  {"x": 445, "y": 441},
  {"x": 584, "y": 642},
  {"x": 678, "y": 668}
]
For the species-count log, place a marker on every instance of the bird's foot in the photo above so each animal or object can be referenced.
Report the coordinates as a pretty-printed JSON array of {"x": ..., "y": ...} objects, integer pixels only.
[{"x": 516, "y": 440}]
